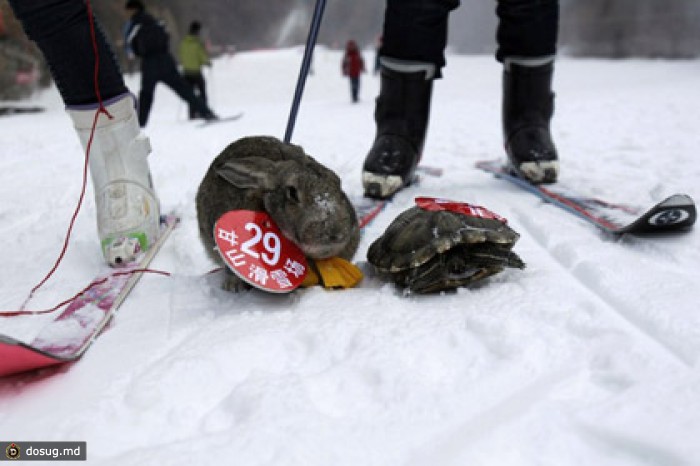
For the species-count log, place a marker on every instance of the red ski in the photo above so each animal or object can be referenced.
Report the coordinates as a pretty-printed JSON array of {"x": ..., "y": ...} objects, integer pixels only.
[
  {"x": 675, "y": 213},
  {"x": 70, "y": 334}
]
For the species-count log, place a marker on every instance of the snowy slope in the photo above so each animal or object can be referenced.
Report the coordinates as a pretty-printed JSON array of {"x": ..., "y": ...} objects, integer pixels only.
[{"x": 589, "y": 356}]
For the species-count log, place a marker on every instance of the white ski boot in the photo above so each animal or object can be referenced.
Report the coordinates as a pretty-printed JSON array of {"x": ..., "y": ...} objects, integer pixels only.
[{"x": 128, "y": 214}]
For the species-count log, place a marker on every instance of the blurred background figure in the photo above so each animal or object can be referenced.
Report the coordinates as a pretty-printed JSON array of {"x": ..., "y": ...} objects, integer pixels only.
[
  {"x": 353, "y": 66},
  {"x": 150, "y": 41},
  {"x": 377, "y": 56},
  {"x": 130, "y": 61},
  {"x": 193, "y": 56}
]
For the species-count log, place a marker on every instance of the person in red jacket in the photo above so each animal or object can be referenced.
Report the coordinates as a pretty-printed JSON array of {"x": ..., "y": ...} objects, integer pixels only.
[{"x": 353, "y": 67}]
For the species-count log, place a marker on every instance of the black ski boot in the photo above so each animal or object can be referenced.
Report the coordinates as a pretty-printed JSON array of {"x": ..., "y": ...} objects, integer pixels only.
[
  {"x": 528, "y": 106},
  {"x": 401, "y": 113}
]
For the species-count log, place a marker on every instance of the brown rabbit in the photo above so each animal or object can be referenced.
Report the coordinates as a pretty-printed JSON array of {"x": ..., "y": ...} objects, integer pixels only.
[{"x": 303, "y": 197}]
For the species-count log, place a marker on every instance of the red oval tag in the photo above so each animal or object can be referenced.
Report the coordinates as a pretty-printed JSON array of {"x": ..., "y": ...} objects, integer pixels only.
[
  {"x": 435, "y": 204},
  {"x": 253, "y": 247}
]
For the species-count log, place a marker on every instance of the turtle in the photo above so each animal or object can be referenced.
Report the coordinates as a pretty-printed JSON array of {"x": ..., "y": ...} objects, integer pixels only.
[{"x": 439, "y": 245}]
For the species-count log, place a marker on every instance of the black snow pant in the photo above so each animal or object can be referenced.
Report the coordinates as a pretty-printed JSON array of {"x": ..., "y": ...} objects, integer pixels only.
[
  {"x": 416, "y": 30},
  {"x": 196, "y": 82},
  {"x": 355, "y": 88},
  {"x": 162, "y": 68},
  {"x": 61, "y": 30}
]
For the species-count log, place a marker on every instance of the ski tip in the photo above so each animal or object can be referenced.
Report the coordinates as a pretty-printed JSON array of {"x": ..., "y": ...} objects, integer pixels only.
[
  {"x": 17, "y": 357},
  {"x": 676, "y": 213},
  {"x": 682, "y": 200},
  {"x": 673, "y": 213}
]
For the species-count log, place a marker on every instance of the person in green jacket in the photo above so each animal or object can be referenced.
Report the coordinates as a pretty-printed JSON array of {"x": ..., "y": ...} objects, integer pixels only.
[{"x": 193, "y": 56}]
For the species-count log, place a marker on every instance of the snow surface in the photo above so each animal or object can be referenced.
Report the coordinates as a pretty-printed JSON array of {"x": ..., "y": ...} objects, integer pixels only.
[{"x": 589, "y": 356}]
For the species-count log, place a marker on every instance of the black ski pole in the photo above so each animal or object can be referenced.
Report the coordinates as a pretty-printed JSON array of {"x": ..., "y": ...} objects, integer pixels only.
[{"x": 305, "y": 66}]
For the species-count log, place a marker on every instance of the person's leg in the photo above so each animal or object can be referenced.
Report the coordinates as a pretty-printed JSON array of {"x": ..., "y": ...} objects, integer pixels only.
[
  {"x": 191, "y": 80},
  {"x": 527, "y": 38},
  {"x": 149, "y": 80},
  {"x": 201, "y": 87},
  {"x": 125, "y": 200},
  {"x": 411, "y": 56},
  {"x": 61, "y": 30},
  {"x": 173, "y": 79},
  {"x": 527, "y": 28},
  {"x": 416, "y": 31},
  {"x": 354, "y": 88}
]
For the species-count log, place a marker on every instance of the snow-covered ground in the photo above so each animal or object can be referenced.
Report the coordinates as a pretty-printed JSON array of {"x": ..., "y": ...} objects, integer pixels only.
[{"x": 590, "y": 356}]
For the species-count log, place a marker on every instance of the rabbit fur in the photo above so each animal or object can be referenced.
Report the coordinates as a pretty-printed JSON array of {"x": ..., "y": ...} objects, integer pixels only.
[{"x": 303, "y": 197}]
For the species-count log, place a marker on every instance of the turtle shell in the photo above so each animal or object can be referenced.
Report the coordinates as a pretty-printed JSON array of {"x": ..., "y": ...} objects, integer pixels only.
[{"x": 429, "y": 249}]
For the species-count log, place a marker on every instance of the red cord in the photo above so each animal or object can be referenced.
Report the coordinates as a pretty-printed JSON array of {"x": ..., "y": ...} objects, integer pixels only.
[
  {"x": 95, "y": 283},
  {"x": 96, "y": 80},
  {"x": 86, "y": 163},
  {"x": 66, "y": 241}
]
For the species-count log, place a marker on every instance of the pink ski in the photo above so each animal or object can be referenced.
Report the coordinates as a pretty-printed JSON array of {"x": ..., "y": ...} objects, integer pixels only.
[{"x": 70, "y": 334}]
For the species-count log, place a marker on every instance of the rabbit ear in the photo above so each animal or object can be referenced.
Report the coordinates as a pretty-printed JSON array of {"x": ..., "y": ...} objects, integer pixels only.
[{"x": 250, "y": 173}]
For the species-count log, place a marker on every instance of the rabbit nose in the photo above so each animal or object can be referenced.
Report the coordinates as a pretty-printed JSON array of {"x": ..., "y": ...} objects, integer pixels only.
[
  {"x": 321, "y": 233},
  {"x": 335, "y": 236}
]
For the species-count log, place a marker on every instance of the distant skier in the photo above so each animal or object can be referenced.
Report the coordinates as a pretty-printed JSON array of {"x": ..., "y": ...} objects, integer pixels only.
[
  {"x": 193, "y": 56},
  {"x": 353, "y": 66},
  {"x": 149, "y": 40}
]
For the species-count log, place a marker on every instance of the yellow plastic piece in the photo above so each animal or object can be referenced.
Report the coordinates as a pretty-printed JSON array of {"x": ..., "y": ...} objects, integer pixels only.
[
  {"x": 334, "y": 272},
  {"x": 311, "y": 278}
]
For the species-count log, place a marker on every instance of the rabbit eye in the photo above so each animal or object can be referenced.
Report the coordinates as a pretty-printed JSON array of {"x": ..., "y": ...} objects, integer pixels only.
[{"x": 292, "y": 194}]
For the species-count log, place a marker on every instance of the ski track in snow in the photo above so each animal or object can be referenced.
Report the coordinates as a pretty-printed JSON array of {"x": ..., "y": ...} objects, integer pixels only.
[
  {"x": 587, "y": 357},
  {"x": 585, "y": 274}
]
